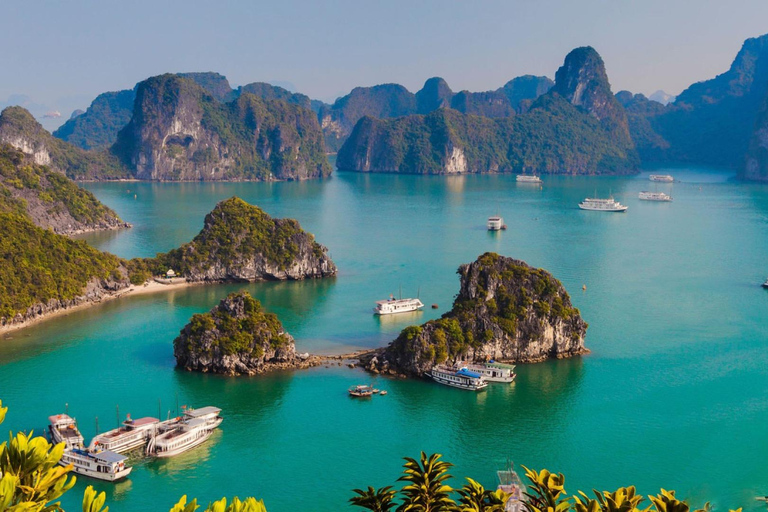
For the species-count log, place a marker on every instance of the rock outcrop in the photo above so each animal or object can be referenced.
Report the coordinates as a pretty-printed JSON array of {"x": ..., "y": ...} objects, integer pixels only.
[
  {"x": 506, "y": 310},
  {"x": 236, "y": 337},
  {"x": 756, "y": 165},
  {"x": 240, "y": 242},
  {"x": 577, "y": 127},
  {"x": 50, "y": 199},
  {"x": 19, "y": 129},
  {"x": 714, "y": 122},
  {"x": 388, "y": 101},
  {"x": 179, "y": 131},
  {"x": 582, "y": 81}
]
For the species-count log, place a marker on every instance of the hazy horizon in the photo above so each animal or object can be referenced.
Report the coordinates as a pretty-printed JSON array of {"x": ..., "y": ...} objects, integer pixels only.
[{"x": 63, "y": 56}]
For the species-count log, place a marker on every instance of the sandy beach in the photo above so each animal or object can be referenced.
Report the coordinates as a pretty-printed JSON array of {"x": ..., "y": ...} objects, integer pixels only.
[{"x": 134, "y": 290}]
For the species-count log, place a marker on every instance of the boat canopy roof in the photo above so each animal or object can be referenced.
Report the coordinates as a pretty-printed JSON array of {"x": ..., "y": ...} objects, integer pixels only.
[
  {"x": 194, "y": 423},
  {"x": 203, "y": 411},
  {"x": 108, "y": 456},
  {"x": 395, "y": 301},
  {"x": 60, "y": 418},
  {"x": 500, "y": 366},
  {"x": 141, "y": 421},
  {"x": 467, "y": 373}
]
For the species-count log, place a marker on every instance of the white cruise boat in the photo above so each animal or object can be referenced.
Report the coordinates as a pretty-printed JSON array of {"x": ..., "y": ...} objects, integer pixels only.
[
  {"x": 654, "y": 196},
  {"x": 63, "y": 429},
  {"x": 524, "y": 178},
  {"x": 102, "y": 465},
  {"x": 211, "y": 415},
  {"x": 602, "y": 205},
  {"x": 494, "y": 372},
  {"x": 179, "y": 437},
  {"x": 184, "y": 433},
  {"x": 132, "y": 435},
  {"x": 392, "y": 306},
  {"x": 461, "y": 378},
  {"x": 496, "y": 223},
  {"x": 664, "y": 178}
]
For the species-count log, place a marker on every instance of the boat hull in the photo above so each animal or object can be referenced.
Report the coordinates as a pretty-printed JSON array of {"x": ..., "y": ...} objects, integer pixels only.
[
  {"x": 611, "y": 210},
  {"x": 409, "y": 310},
  {"x": 106, "y": 477},
  {"x": 458, "y": 385}
]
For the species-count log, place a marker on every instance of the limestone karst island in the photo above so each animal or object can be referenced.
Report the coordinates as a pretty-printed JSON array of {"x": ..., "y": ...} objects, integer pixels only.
[{"x": 396, "y": 257}]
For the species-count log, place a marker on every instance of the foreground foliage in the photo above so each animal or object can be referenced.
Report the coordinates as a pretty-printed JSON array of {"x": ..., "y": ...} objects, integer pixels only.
[
  {"x": 427, "y": 491},
  {"x": 32, "y": 480}
]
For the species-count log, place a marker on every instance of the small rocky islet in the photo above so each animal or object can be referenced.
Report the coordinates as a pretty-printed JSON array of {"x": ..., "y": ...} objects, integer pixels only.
[
  {"x": 235, "y": 337},
  {"x": 506, "y": 310}
]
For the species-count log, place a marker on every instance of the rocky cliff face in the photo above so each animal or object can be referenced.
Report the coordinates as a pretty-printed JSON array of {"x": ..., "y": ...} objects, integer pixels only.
[
  {"x": 236, "y": 337},
  {"x": 50, "y": 199},
  {"x": 180, "y": 132},
  {"x": 435, "y": 94},
  {"x": 582, "y": 81},
  {"x": 240, "y": 242},
  {"x": 554, "y": 137},
  {"x": 19, "y": 129},
  {"x": 578, "y": 127},
  {"x": 380, "y": 101},
  {"x": 756, "y": 164},
  {"x": 506, "y": 310},
  {"x": 712, "y": 122}
]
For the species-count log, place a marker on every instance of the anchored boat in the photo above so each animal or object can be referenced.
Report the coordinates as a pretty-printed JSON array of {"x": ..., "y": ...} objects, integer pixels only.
[
  {"x": 184, "y": 433},
  {"x": 765, "y": 284},
  {"x": 131, "y": 435},
  {"x": 100, "y": 464},
  {"x": 523, "y": 178},
  {"x": 496, "y": 223},
  {"x": 602, "y": 205},
  {"x": 63, "y": 429},
  {"x": 664, "y": 178},
  {"x": 654, "y": 196},
  {"x": 392, "y": 306},
  {"x": 462, "y": 378},
  {"x": 360, "y": 391}
]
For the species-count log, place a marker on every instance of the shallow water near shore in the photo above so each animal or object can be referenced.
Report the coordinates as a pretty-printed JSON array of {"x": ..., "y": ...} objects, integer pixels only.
[{"x": 674, "y": 393}]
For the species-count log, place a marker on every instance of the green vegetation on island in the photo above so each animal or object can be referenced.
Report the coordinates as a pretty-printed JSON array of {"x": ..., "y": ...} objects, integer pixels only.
[
  {"x": 235, "y": 337},
  {"x": 181, "y": 132},
  {"x": 578, "y": 127},
  {"x": 44, "y": 271},
  {"x": 241, "y": 242},
  {"x": 98, "y": 126},
  {"x": 48, "y": 198},
  {"x": 19, "y": 129},
  {"x": 40, "y": 267}
]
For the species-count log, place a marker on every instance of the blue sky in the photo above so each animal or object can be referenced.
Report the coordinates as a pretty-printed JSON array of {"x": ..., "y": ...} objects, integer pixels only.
[{"x": 62, "y": 54}]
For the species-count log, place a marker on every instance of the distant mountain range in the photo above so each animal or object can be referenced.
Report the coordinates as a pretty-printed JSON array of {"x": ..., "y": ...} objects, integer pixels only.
[{"x": 196, "y": 126}]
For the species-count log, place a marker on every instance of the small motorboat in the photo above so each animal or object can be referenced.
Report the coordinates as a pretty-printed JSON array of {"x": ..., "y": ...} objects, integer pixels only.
[
  {"x": 360, "y": 391},
  {"x": 765, "y": 284},
  {"x": 375, "y": 391},
  {"x": 383, "y": 392}
]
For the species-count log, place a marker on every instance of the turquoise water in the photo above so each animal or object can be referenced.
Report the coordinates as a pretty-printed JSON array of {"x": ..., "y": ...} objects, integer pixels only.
[{"x": 673, "y": 394}]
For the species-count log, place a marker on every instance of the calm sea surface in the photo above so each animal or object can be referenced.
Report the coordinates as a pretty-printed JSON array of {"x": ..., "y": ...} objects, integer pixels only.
[{"x": 674, "y": 393}]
